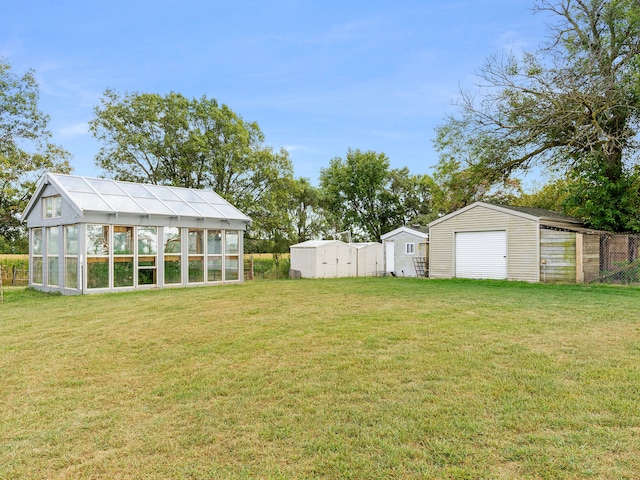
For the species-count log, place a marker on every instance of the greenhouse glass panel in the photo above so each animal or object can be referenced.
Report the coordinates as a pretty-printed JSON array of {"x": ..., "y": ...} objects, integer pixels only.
[
  {"x": 214, "y": 242},
  {"x": 232, "y": 268},
  {"x": 172, "y": 240}
]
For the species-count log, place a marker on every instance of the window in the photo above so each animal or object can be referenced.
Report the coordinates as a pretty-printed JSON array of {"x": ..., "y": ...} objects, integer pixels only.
[
  {"x": 52, "y": 206},
  {"x": 172, "y": 249},
  {"x": 97, "y": 256},
  {"x": 122, "y": 256},
  {"x": 196, "y": 255},
  {"x": 52, "y": 256},
  {"x": 36, "y": 254},
  {"x": 147, "y": 251},
  {"x": 71, "y": 256},
  {"x": 231, "y": 259},
  {"x": 410, "y": 248},
  {"x": 214, "y": 255}
]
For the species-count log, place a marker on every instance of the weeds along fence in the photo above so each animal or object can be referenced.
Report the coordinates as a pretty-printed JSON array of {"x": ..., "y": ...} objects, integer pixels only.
[
  {"x": 620, "y": 259},
  {"x": 263, "y": 267}
]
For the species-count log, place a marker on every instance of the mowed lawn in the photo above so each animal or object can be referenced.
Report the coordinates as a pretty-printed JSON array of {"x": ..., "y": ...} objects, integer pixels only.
[{"x": 348, "y": 378}]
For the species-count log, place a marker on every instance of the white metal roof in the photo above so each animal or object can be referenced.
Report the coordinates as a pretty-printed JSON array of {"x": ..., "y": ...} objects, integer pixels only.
[
  {"x": 112, "y": 196},
  {"x": 317, "y": 243}
]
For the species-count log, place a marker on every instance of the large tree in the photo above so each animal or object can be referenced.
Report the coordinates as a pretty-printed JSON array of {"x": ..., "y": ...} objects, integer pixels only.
[
  {"x": 357, "y": 195},
  {"x": 195, "y": 143},
  {"x": 25, "y": 149},
  {"x": 572, "y": 107}
]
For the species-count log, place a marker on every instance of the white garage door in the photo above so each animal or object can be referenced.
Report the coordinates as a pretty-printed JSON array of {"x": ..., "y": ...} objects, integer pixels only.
[{"x": 481, "y": 254}]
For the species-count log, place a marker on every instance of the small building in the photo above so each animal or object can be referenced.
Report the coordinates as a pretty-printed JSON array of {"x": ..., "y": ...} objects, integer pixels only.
[
  {"x": 370, "y": 259},
  {"x": 515, "y": 243},
  {"x": 324, "y": 259},
  {"x": 406, "y": 251},
  {"x": 91, "y": 235}
]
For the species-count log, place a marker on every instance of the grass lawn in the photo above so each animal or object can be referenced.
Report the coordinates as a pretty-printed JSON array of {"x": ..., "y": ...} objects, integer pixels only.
[{"x": 348, "y": 378}]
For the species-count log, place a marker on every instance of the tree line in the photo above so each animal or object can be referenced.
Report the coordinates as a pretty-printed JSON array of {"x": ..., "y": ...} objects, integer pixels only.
[{"x": 570, "y": 108}]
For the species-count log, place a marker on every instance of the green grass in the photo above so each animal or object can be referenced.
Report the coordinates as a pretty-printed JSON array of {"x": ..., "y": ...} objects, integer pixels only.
[{"x": 349, "y": 378}]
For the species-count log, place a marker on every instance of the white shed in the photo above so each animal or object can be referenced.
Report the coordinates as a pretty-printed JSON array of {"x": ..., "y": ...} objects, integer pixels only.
[
  {"x": 324, "y": 259},
  {"x": 370, "y": 259}
]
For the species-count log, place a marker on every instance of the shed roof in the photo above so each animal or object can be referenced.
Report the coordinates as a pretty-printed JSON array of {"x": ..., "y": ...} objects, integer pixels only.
[
  {"x": 422, "y": 232},
  {"x": 318, "y": 243},
  {"x": 540, "y": 215},
  {"x": 112, "y": 196}
]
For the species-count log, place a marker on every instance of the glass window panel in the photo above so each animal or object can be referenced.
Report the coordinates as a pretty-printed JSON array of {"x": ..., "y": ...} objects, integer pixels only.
[
  {"x": 154, "y": 206},
  {"x": 52, "y": 240},
  {"x": 105, "y": 186},
  {"x": 75, "y": 184},
  {"x": 36, "y": 241},
  {"x": 188, "y": 195},
  {"x": 196, "y": 269},
  {"x": 214, "y": 269},
  {"x": 97, "y": 272},
  {"x": 57, "y": 206},
  {"x": 214, "y": 241},
  {"x": 36, "y": 272},
  {"x": 146, "y": 270},
  {"x": 231, "y": 268},
  {"x": 91, "y": 201},
  {"x": 122, "y": 240},
  {"x": 231, "y": 241},
  {"x": 181, "y": 208},
  {"x": 71, "y": 272},
  {"x": 122, "y": 203},
  {"x": 97, "y": 240},
  {"x": 52, "y": 274},
  {"x": 196, "y": 241},
  {"x": 123, "y": 271},
  {"x": 71, "y": 239},
  {"x": 171, "y": 240},
  {"x": 162, "y": 193},
  {"x": 137, "y": 190},
  {"x": 172, "y": 270},
  {"x": 47, "y": 207},
  {"x": 208, "y": 211},
  {"x": 147, "y": 240}
]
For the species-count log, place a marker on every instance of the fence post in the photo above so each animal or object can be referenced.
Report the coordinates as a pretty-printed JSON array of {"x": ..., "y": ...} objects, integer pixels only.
[
  {"x": 1, "y": 289},
  {"x": 13, "y": 276},
  {"x": 251, "y": 267}
]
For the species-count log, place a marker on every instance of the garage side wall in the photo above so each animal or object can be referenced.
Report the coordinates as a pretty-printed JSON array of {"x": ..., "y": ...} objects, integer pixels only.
[{"x": 522, "y": 242}]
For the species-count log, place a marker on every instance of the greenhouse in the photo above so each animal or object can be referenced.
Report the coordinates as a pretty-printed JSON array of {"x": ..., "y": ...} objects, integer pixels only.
[{"x": 91, "y": 235}]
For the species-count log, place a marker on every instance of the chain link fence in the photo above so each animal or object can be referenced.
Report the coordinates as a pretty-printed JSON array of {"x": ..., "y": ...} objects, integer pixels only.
[{"x": 620, "y": 259}]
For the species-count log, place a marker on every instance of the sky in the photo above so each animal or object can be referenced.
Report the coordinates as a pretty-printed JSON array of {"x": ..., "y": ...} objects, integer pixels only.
[{"x": 318, "y": 76}]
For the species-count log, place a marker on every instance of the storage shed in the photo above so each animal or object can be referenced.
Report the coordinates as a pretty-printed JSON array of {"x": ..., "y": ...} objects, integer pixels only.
[
  {"x": 406, "y": 251},
  {"x": 91, "y": 235},
  {"x": 516, "y": 243},
  {"x": 324, "y": 259},
  {"x": 370, "y": 259}
]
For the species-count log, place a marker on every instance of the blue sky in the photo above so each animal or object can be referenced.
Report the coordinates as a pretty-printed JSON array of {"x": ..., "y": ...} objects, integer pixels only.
[{"x": 318, "y": 76}]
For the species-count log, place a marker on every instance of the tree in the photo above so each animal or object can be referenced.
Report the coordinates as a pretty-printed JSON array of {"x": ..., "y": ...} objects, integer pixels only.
[
  {"x": 194, "y": 143},
  {"x": 357, "y": 195},
  {"x": 25, "y": 150},
  {"x": 570, "y": 106},
  {"x": 415, "y": 194},
  {"x": 309, "y": 221}
]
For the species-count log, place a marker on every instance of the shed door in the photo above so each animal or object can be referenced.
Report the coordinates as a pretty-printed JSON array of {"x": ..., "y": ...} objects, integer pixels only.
[
  {"x": 390, "y": 256},
  {"x": 481, "y": 254}
]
